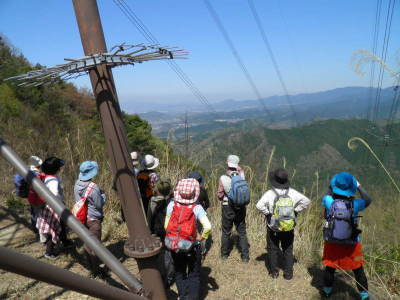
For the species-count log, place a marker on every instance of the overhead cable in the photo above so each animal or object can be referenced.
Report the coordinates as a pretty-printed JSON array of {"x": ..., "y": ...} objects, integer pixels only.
[
  {"x": 373, "y": 51},
  {"x": 272, "y": 57},
  {"x": 388, "y": 25},
  {"x": 239, "y": 60},
  {"x": 134, "y": 19}
]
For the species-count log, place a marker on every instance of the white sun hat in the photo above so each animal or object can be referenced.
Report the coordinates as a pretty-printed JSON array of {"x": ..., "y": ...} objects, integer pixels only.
[
  {"x": 233, "y": 161},
  {"x": 134, "y": 157},
  {"x": 150, "y": 162},
  {"x": 34, "y": 162}
]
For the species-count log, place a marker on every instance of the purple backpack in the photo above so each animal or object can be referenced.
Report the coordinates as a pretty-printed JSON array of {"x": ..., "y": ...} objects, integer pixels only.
[{"x": 340, "y": 227}]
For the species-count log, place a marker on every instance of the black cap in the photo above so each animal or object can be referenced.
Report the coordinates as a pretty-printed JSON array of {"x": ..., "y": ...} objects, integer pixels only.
[
  {"x": 52, "y": 165},
  {"x": 196, "y": 175}
]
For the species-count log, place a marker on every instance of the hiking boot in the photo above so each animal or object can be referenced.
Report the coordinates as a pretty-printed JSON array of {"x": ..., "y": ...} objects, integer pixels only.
[
  {"x": 288, "y": 276},
  {"x": 51, "y": 256},
  {"x": 326, "y": 292},
  {"x": 364, "y": 295},
  {"x": 274, "y": 275},
  {"x": 245, "y": 260}
]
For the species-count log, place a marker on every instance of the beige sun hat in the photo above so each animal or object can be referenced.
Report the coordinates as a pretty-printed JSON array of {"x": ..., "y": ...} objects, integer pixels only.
[
  {"x": 233, "y": 161},
  {"x": 134, "y": 157},
  {"x": 150, "y": 162}
]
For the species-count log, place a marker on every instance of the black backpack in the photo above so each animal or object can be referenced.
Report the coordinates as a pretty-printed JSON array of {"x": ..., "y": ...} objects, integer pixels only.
[{"x": 158, "y": 219}]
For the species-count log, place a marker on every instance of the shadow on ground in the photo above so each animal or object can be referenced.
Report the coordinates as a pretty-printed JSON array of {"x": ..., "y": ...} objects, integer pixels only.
[{"x": 342, "y": 289}]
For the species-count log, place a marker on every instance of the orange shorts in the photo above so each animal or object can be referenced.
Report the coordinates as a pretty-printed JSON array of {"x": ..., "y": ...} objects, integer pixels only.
[{"x": 346, "y": 257}]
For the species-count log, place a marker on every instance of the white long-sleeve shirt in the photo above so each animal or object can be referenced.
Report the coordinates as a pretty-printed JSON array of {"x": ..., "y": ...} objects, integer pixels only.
[{"x": 266, "y": 203}]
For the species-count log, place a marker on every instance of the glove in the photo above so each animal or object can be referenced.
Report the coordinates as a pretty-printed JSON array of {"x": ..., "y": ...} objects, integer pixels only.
[{"x": 358, "y": 184}]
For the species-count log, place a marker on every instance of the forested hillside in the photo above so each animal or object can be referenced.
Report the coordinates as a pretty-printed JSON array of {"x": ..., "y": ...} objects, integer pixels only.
[{"x": 319, "y": 147}]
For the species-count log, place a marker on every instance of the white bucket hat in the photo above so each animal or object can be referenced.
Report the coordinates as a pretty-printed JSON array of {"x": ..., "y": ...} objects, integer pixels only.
[
  {"x": 34, "y": 162},
  {"x": 150, "y": 162},
  {"x": 134, "y": 157},
  {"x": 233, "y": 161}
]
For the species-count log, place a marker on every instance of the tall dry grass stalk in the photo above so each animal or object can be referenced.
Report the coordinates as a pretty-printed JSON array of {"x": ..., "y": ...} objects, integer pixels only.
[{"x": 351, "y": 144}]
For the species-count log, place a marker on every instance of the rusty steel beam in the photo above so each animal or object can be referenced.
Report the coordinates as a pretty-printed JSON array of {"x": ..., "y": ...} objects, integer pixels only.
[
  {"x": 141, "y": 244},
  {"x": 24, "y": 265},
  {"x": 103, "y": 253}
]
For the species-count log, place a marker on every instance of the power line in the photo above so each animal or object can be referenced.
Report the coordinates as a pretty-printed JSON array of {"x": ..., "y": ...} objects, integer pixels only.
[
  {"x": 385, "y": 45},
  {"x": 134, "y": 19},
  {"x": 239, "y": 60},
  {"x": 272, "y": 57},
  {"x": 373, "y": 63}
]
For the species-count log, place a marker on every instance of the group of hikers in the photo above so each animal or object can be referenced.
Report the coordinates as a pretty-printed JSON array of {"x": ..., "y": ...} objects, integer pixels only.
[{"x": 177, "y": 214}]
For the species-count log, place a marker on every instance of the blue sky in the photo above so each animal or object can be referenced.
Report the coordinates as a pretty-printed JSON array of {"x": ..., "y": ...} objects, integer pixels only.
[{"x": 313, "y": 42}]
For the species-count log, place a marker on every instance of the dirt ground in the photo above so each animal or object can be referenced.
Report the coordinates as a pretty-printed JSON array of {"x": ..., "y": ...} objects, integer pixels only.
[{"x": 230, "y": 279}]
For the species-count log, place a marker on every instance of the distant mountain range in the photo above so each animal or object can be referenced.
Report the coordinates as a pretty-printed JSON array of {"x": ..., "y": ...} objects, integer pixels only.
[
  {"x": 341, "y": 103},
  {"x": 355, "y": 94}
]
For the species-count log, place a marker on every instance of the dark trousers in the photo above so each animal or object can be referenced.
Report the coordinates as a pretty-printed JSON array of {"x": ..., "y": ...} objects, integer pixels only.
[
  {"x": 94, "y": 227},
  {"x": 187, "y": 273},
  {"x": 34, "y": 214},
  {"x": 50, "y": 246},
  {"x": 63, "y": 232},
  {"x": 277, "y": 243},
  {"x": 235, "y": 216},
  {"x": 359, "y": 274}
]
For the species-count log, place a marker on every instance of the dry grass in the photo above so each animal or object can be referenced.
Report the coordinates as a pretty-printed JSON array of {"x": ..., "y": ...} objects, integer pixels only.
[{"x": 229, "y": 279}]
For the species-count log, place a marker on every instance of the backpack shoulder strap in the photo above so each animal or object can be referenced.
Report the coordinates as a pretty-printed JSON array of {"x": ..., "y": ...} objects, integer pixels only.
[
  {"x": 88, "y": 190},
  {"x": 287, "y": 192}
]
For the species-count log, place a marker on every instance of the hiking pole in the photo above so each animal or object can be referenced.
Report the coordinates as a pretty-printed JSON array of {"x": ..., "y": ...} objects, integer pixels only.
[
  {"x": 25, "y": 265},
  {"x": 56, "y": 204}
]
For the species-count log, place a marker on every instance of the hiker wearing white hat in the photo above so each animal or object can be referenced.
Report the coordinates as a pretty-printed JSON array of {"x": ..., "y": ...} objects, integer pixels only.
[
  {"x": 135, "y": 162},
  {"x": 232, "y": 214},
  {"x": 147, "y": 178}
]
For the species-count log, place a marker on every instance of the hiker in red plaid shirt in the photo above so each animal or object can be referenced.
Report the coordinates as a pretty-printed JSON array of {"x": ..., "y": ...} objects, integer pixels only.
[{"x": 48, "y": 222}]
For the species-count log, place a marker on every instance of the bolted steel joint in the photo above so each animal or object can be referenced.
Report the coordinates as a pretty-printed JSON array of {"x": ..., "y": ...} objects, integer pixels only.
[{"x": 143, "y": 247}]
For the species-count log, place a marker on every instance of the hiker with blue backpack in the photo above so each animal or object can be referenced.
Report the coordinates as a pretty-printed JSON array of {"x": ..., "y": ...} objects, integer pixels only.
[
  {"x": 24, "y": 190},
  {"x": 182, "y": 237},
  {"x": 342, "y": 247},
  {"x": 234, "y": 194},
  {"x": 281, "y": 205}
]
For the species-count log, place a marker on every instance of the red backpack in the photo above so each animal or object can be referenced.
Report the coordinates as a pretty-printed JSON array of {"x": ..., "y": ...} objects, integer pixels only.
[
  {"x": 33, "y": 198},
  {"x": 80, "y": 209},
  {"x": 181, "y": 231}
]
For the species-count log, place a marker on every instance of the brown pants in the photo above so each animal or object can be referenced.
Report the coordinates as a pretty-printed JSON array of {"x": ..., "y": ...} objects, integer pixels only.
[{"x": 94, "y": 227}]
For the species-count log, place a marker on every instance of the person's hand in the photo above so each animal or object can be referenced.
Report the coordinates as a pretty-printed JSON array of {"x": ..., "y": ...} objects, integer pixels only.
[
  {"x": 199, "y": 237},
  {"x": 358, "y": 184}
]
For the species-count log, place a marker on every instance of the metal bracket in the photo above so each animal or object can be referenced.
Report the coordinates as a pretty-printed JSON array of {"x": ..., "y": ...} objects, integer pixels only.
[
  {"x": 143, "y": 248},
  {"x": 124, "y": 55}
]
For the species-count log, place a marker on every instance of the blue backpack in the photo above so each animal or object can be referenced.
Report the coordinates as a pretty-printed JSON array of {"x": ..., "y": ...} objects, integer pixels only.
[
  {"x": 239, "y": 195},
  {"x": 340, "y": 227},
  {"x": 21, "y": 186}
]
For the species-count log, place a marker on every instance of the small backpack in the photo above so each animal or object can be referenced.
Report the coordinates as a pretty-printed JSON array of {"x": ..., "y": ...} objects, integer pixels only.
[
  {"x": 340, "y": 227},
  {"x": 80, "y": 209},
  {"x": 21, "y": 186},
  {"x": 145, "y": 185},
  {"x": 181, "y": 231},
  {"x": 158, "y": 219},
  {"x": 283, "y": 217},
  {"x": 239, "y": 194},
  {"x": 33, "y": 198}
]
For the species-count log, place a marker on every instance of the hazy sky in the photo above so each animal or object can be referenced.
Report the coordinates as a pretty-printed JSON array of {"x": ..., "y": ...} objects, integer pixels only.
[{"x": 313, "y": 42}]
